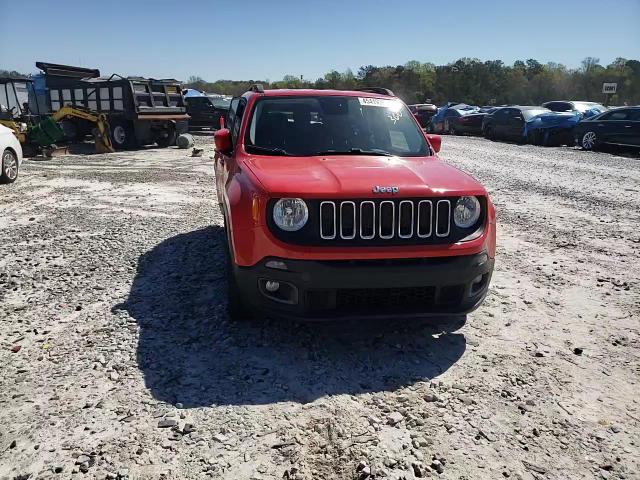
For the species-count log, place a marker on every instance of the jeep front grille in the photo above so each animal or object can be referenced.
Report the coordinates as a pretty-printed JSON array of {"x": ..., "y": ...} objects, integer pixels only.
[
  {"x": 377, "y": 222},
  {"x": 384, "y": 220}
]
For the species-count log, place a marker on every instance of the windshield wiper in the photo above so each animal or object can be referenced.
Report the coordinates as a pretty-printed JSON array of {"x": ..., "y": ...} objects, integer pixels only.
[
  {"x": 355, "y": 151},
  {"x": 268, "y": 150}
]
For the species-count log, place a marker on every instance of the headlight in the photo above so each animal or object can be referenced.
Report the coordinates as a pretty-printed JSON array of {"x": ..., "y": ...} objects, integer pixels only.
[
  {"x": 290, "y": 214},
  {"x": 467, "y": 212}
]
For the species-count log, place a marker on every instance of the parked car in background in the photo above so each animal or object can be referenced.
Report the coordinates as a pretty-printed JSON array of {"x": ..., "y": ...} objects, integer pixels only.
[
  {"x": 11, "y": 158},
  {"x": 584, "y": 109},
  {"x": 205, "y": 111},
  {"x": 446, "y": 118},
  {"x": 423, "y": 112},
  {"x": 620, "y": 126},
  {"x": 530, "y": 124},
  {"x": 472, "y": 122}
]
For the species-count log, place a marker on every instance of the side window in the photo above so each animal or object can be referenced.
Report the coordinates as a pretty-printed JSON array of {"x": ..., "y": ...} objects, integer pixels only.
[
  {"x": 615, "y": 115},
  {"x": 514, "y": 116},
  {"x": 619, "y": 115},
  {"x": 502, "y": 115},
  {"x": 634, "y": 115},
  {"x": 559, "y": 106},
  {"x": 231, "y": 116},
  {"x": 237, "y": 123}
]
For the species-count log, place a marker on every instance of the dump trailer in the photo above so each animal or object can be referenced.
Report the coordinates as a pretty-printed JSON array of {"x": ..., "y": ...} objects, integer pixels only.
[{"x": 140, "y": 111}]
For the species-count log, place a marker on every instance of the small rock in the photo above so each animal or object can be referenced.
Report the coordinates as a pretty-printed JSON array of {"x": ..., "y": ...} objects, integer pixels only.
[
  {"x": 578, "y": 351},
  {"x": 218, "y": 437},
  {"x": 188, "y": 428},
  {"x": 114, "y": 376},
  {"x": 437, "y": 466},
  {"x": 394, "y": 418},
  {"x": 16, "y": 348},
  {"x": 374, "y": 420},
  {"x": 418, "y": 470},
  {"x": 430, "y": 397},
  {"x": 466, "y": 399},
  {"x": 167, "y": 423}
]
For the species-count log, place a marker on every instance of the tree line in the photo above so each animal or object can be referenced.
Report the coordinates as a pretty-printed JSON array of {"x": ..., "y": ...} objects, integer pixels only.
[{"x": 469, "y": 80}]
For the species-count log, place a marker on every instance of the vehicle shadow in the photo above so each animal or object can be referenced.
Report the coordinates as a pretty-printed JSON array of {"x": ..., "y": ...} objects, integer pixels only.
[{"x": 190, "y": 352}]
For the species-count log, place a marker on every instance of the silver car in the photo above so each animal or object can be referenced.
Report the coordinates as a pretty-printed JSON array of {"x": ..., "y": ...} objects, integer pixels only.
[{"x": 11, "y": 152}]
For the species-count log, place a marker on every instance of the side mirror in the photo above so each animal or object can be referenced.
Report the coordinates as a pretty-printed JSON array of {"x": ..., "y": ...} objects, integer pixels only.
[
  {"x": 222, "y": 139},
  {"x": 435, "y": 141}
]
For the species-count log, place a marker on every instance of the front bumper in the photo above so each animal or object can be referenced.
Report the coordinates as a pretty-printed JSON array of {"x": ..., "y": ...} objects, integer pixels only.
[{"x": 321, "y": 290}]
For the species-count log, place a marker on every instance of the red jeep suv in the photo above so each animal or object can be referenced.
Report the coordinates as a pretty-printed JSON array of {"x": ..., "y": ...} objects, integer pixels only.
[{"x": 336, "y": 205}]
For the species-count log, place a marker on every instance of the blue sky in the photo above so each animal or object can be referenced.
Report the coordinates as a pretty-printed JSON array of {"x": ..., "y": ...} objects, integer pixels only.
[{"x": 267, "y": 39}]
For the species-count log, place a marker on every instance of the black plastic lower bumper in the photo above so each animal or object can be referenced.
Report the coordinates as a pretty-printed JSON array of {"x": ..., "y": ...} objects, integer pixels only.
[{"x": 318, "y": 290}]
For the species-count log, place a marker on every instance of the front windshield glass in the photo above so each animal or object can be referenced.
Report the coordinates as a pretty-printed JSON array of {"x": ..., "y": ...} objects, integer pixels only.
[
  {"x": 326, "y": 125},
  {"x": 221, "y": 102},
  {"x": 585, "y": 107},
  {"x": 529, "y": 114}
]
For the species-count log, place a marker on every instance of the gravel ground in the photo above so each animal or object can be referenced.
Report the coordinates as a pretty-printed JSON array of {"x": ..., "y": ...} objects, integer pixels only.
[{"x": 118, "y": 360}]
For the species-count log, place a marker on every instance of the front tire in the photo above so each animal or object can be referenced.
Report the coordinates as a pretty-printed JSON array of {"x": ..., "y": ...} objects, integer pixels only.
[
  {"x": 589, "y": 141},
  {"x": 489, "y": 134},
  {"x": 236, "y": 306},
  {"x": 10, "y": 167}
]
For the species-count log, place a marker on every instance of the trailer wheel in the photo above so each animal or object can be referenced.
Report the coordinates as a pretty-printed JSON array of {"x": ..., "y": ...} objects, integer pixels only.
[
  {"x": 122, "y": 135},
  {"x": 167, "y": 137}
]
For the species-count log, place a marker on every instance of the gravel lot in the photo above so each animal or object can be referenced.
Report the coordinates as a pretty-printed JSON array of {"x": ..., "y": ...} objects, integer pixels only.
[{"x": 118, "y": 360}]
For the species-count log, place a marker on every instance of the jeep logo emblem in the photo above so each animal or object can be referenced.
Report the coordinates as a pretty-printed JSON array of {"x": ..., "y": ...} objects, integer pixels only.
[{"x": 379, "y": 189}]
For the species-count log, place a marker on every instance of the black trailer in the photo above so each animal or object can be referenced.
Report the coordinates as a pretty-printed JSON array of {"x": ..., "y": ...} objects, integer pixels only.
[{"x": 140, "y": 111}]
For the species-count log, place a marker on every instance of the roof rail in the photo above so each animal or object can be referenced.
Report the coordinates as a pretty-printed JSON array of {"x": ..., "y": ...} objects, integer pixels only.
[
  {"x": 378, "y": 90},
  {"x": 257, "y": 87}
]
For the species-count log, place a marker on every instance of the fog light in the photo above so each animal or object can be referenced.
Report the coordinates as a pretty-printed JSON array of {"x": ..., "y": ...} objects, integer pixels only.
[
  {"x": 478, "y": 279},
  {"x": 271, "y": 286},
  {"x": 277, "y": 264}
]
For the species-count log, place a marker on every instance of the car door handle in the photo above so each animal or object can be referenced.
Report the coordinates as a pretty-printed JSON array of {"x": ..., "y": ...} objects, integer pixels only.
[
  {"x": 601, "y": 124},
  {"x": 627, "y": 126}
]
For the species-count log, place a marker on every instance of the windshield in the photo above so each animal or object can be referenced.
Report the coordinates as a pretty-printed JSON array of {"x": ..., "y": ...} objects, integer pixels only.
[
  {"x": 325, "y": 125},
  {"x": 529, "y": 114},
  {"x": 583, "y": 107},
  {"x": 221, "y": 102}
]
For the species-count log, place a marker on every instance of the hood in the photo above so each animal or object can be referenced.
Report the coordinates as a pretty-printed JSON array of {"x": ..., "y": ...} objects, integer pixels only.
[
  {"x": 355, "y": 176},
  {"x": 555, "y": 120}
]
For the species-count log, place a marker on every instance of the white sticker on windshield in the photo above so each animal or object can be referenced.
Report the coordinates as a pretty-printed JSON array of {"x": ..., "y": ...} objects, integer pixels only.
[{"x": 380, "y": 102}]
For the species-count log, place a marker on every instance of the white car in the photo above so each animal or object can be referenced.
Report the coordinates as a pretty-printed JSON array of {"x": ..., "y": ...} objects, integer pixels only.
[{"x": 11, "y": 152}]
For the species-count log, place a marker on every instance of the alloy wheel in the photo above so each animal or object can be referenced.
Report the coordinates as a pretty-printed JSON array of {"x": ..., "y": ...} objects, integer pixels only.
[
  {"x": 10, "y": 165},
  {"x": 589, "y": 140}
]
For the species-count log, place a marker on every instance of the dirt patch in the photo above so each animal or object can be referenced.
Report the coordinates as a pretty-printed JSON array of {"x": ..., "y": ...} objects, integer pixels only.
[{"x": 118, "y": 359}]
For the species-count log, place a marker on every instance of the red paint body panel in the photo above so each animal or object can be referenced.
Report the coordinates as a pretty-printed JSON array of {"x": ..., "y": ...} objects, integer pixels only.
[{"x": 244, "y": 179}]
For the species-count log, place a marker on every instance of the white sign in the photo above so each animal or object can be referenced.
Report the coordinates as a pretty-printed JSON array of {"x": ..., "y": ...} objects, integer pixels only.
[
  {"x": 609, "y": 87},
  {"x": 380, "y": 102}
]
